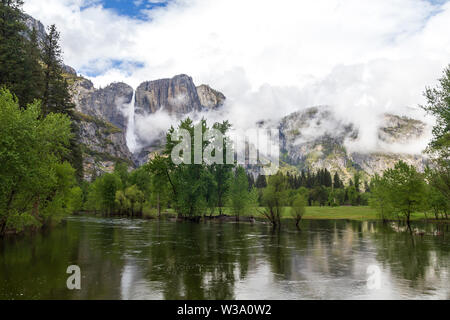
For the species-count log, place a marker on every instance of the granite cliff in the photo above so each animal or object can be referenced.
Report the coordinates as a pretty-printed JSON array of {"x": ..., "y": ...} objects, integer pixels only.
[{"x": 103, "y": 124}]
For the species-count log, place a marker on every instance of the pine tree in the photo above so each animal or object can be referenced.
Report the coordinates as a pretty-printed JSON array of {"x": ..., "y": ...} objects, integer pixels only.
[
  {"x": 261, "y": 182},
  {"x": 12, "y": 46},
  {"x": 357, "y": 181},
  {"x": 303, "y": 179},
  {"x": 251, "y": 181},
  {"x": 33, "y": 82},
  {"x": 56, "y": 97},
  {"x": 328, "y": 182},
  {"x": 337, "y": 183}
]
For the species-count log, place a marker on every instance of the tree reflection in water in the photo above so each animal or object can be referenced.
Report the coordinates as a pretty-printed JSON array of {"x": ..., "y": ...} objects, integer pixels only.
[{"x": 137, "y": 259}]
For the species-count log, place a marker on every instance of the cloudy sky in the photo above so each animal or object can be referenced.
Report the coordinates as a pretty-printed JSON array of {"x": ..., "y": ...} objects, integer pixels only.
[{"x": 269, "y": 58}]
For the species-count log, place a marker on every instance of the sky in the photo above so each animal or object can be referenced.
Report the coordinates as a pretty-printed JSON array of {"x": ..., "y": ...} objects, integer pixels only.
[{"x": 270, "y": 58}]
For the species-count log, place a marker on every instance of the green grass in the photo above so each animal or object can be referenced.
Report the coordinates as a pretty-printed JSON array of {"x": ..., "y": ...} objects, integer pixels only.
[
  {"x": 351, "y": 213},
  {"x": 326, "y": 213},
  {"x": 343, "y": 213}
]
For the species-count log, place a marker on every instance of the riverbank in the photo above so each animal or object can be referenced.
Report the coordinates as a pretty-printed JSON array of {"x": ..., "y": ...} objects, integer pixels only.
[{"x": 361, "y": 213}]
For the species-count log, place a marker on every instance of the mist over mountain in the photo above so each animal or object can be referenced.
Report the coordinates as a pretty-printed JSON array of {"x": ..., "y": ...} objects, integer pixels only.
[{"x": 311, "y": 137}]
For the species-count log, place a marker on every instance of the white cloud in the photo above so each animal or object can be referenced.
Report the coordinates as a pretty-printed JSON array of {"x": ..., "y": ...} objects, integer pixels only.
[{"x": 270, "y": 58}]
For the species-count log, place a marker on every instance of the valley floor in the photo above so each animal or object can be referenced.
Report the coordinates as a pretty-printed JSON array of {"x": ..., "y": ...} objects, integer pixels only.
[{"x": 317, "y": 213}]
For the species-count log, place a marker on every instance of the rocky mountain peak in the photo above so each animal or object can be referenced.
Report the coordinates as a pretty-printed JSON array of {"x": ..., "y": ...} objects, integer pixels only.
[
  {"x": 176, "y": 96},
  {"x": 209, "y": 98}
]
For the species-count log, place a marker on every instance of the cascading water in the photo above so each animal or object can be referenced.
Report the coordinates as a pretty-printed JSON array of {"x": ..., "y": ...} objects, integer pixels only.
[{"x": 131, "y": 134}]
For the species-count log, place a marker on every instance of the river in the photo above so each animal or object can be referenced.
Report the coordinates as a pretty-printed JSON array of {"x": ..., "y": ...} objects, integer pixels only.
[{"x": 142, "y": 259}]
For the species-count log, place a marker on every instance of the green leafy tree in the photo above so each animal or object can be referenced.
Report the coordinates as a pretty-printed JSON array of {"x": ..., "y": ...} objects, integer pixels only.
[
  {"x": 406, "y": 189},
  {"x": 333, "y": 199},
  {"x": 274, "y": 198},
  {"x": 438, "y": 105},
  {"x": 298, "y": 208},
  {"x": 319, "y": 195},
  {"x": 162, "y": 186},
  {"x": 195, "y": 186},
  {"x": 122, "y": 202},
  {"x": 221, "y": 173},
  {"x": 136, "y": 199},
  {"x": 189, "y": 181},
  {"x": 121, "y": 169},
  {"x": 241, "y": 198},
  {"x": 353, "y": 195},
  {"x": 437, "y": 202},
  {"x": 35, "y": 182},
  {"x": 142, "y": 178},
  {"x": 109, "y": 184},
  {"x": 380, "y": 198},
  {"x": 76, "y": 199},
  {"x": 61, "y": 194},
  {"x": 94, "y": 200}
]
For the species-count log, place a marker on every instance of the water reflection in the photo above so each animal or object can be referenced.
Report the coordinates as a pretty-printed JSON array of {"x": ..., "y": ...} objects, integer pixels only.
[{"x": 137, "y": 259}]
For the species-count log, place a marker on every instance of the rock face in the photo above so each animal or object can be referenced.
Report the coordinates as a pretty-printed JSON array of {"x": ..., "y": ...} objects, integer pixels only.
[
  {"x": 209, "y": 98},
  {"x": 33, "y": 24},
  {"x": 176, "y": 96},
  {"x": 315, "y": 139},
  {"x": 400, "y": 129},
  {"x": 102, "y": 124},
  {"x": 107, "y": 103}
]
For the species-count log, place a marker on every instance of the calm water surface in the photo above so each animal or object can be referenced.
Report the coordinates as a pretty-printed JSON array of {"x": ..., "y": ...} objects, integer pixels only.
[{"x": 138, "y": 259}]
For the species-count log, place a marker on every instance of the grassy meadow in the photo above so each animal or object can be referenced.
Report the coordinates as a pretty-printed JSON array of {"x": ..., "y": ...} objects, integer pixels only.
[{"x": 359, "y": 213}]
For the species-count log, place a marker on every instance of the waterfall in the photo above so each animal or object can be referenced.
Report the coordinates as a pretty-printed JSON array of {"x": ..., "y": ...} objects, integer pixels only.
[{"x": 131, "y": 134}]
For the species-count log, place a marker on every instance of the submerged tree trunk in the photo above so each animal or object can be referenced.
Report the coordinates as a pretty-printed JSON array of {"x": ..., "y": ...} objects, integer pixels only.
[
  {"x": 408, "y": 220},
  {"x": 436, "y": 214},
  {"x": 159, "y": 206},
  {"x": 297, "y": 223},
  {"x": 3, "y": 227}
]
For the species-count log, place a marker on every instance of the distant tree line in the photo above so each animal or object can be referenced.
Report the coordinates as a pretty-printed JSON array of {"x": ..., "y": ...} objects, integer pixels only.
[{"x": 322, "y": 189}]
